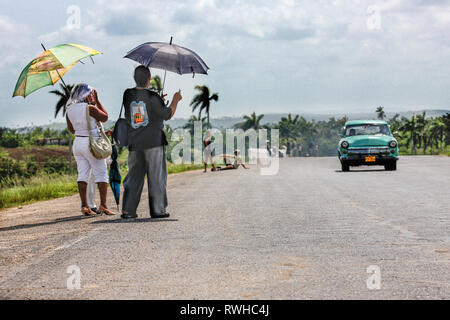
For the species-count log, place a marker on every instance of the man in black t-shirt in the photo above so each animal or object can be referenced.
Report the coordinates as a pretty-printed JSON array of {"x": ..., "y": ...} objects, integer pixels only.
[{"x": 145, "y": 113}]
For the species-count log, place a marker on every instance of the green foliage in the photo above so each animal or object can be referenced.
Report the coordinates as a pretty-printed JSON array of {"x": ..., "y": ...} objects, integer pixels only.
[
  {"x": 202, "y": 101},
  {"x": 10, "y": 138},
  {"x": 56, "y": 165},
  {"x": 156, "y": 84},
  {"x": 63, "y": 95},
  {"x": 42, "y": 187},
  {"x": 172, "y": 168},
  {"x": 381, "y": 115},
  {"x": 422, "y": 135},
  {"x": 252, "y": 121},
  {"x": 10, "y": 168}
]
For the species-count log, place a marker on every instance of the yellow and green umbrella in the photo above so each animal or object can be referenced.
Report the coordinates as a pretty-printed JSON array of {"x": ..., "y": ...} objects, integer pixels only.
[{"x": 50, "y": 66}]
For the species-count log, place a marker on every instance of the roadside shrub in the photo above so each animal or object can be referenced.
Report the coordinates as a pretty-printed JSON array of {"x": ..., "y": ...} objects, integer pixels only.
[
  {"x": 56, "y": 165},
  {"x": 10, "y": 140},
  {"x": 31, "y": 166},
  {"x": 9, "y": 168}
]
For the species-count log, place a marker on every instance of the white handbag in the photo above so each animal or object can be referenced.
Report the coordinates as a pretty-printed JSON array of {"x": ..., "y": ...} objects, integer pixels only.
[{"x": 100, "y": 147}]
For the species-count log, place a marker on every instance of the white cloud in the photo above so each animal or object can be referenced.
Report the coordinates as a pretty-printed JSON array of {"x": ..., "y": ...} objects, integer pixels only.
[
  {"x": 264, "y": 55},
  {"x": 13, "y": 35}
]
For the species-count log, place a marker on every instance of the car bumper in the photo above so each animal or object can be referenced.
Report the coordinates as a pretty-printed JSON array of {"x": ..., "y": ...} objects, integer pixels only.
[{"x": 369, "y": 156}]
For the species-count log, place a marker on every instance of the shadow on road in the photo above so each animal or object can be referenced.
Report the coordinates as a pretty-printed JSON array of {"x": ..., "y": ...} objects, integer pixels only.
[
  {"x": 360, "y": 170},
  {"x": 40, "y": 224},
  {"x": 145, "y": 220}
]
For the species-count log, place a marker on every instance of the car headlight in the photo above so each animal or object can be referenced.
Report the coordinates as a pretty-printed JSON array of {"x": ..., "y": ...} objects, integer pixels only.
[
  {"x": 344, "y": 144},
  {"x": 393, "y": 144}
]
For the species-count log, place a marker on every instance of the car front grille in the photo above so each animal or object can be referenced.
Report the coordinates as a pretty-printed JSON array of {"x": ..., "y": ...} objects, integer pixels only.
[{"x": 358, "y": 151}]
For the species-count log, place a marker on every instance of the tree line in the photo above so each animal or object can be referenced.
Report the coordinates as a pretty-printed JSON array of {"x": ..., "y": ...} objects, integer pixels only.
[{"x": 416, "y": 135}]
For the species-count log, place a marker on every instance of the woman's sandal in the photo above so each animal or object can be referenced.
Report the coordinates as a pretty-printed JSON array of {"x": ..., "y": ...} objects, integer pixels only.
[
  {"x": 106, "y": 211},
  {"x": 87, "y": 212}
]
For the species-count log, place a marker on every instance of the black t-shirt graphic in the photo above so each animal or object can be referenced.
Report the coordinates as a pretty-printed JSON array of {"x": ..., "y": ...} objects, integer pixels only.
[{"x": 145, "y": 112}]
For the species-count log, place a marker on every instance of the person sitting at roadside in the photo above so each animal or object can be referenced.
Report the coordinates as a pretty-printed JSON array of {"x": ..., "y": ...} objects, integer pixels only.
[
  {"x": 83, "y": 100},
  {"x": 237, "y": 161}
]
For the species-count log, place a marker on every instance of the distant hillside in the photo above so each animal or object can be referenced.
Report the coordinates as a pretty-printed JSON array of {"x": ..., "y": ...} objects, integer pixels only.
[{"x": 228, "y": 122}]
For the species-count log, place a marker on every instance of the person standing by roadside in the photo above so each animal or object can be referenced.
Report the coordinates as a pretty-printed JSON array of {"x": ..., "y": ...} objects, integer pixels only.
[
  {"x": 207, "y": 153},
  {"x": 90, "y": 190},
  {"x": 83, "y": 100},
  {"x": 299, "y": 150},
  {"x": 269, "y": 151},
  {"x": 145, "y": 113}
]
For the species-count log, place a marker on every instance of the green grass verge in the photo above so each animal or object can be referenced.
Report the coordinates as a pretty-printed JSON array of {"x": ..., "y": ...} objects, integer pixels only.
[
  {"x": 37, "y": 189},
  {"x": 172, "y": 168},
  {"x": 46, "y": 187}
]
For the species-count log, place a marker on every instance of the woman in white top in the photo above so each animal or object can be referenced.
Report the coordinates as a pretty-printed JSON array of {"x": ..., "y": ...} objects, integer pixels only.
[{"x": 85, "y": 97}]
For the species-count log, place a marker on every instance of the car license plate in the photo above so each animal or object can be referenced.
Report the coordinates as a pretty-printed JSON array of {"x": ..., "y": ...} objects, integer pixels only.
[{"x": 371, "y": 159}]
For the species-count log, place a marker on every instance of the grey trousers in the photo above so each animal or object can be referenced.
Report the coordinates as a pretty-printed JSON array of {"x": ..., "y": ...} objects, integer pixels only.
[{"x": 150, "y": 163}]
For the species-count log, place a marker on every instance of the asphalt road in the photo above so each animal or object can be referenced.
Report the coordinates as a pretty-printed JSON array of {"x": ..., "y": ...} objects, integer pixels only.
[{"x": 309, "y": 232}]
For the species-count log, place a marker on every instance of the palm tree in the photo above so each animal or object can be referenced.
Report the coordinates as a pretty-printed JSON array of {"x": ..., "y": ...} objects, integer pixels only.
[
  {"x": 251, "y": 122},
  {"x": 289, "y": 126},
  {"x": 156, "y": 84},
  {"x": 191, "y": 123},
  {"x": 64, "y": 96},
  {"x": 203, "y": 101},
  {"x": 409, "y": 126},
  {"x": 395, "y": 124},
  {"x": 307, "y": 129},
  {"x": 446, "y": 120},
  {"x": 381, "y": 113},
  {"x": 436, "y": 134},
  {"x": 422, "y": 129}
]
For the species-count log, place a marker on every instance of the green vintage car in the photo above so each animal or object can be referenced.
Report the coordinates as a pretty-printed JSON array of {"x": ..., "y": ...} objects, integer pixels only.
[{"x": 368, "y": 142}]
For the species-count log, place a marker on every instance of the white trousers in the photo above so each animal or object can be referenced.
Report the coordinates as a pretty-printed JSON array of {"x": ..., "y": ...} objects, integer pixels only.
[{"x": 87, "y": 162}]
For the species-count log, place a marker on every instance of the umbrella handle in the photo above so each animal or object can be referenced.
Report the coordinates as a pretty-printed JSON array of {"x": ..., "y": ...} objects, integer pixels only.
[
  {"x": 164, "y": 82},
  {"x": 165, "y": 71}
]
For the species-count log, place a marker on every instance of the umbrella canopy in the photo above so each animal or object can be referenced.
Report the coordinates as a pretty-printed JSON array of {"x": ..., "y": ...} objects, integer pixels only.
[
  {"x": 50, "y": 66},
  {"x": 169, "y": 57},
  {"x": 115, "y": 177}
]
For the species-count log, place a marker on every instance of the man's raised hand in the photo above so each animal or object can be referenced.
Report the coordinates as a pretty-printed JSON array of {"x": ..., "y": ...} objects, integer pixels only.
[{"x": 177, "y": 96}]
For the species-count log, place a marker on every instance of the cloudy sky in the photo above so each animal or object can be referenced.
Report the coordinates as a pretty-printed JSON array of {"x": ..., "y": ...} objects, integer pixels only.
[{"x": 265, "y": 56}]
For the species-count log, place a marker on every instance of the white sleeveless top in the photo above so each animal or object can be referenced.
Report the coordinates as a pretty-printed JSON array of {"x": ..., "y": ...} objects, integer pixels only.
[{"x": 77, "y": 116}]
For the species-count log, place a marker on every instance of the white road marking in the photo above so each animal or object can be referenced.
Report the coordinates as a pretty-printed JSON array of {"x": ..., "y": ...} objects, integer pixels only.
[{"x": 68, "y": 245}]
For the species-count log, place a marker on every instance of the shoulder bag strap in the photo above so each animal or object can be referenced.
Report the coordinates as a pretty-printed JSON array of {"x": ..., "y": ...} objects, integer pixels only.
[
  {"x": 88, "y": 119},
  {"x": 121, "y": 109}
]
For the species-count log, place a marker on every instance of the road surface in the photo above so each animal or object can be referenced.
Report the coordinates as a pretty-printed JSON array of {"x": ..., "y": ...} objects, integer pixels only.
[{"x": 309, "y": 232}]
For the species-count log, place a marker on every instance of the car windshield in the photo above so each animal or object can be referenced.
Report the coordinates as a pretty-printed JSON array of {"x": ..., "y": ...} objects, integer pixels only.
[{"x": 367, "y": 129}]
